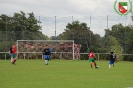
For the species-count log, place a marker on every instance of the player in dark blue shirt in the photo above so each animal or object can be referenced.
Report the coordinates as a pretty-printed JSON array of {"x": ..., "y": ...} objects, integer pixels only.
[
  {"x": 46, "y": 53},
  {"x": 11, "y": 54},
  {"x": 112, "y": 59}
]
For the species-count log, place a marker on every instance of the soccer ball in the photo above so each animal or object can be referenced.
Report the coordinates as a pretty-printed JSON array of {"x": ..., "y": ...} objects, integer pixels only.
[{"x": 97, "y": 66}]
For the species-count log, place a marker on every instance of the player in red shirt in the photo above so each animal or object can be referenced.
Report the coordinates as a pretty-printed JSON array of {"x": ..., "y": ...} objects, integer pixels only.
[
  {"x": 92, "y": 58},
  {"x": 14, "y": 51}
]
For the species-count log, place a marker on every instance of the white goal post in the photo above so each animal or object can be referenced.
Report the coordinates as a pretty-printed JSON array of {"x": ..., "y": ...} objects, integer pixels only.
[{"x": 30, "y": 49}]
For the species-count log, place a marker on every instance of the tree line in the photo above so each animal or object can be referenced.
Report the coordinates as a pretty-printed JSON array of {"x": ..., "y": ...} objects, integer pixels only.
[{"x": 23, "y": 26}]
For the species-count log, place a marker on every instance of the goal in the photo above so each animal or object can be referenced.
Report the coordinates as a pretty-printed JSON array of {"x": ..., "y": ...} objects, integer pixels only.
[{"x": 32, "y": 49}]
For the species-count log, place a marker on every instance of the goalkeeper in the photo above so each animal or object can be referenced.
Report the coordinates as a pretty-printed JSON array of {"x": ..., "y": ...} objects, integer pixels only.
[
  {"x": 46, "y": 53},
  {"x": 92, "y": 58}
]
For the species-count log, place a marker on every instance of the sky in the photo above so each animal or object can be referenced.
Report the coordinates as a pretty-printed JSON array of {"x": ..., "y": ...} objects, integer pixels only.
[{"x": 56, "y": 14}]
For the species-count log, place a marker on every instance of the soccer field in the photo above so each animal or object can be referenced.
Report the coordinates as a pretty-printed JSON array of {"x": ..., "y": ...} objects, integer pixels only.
[{"x": 64, "y": 74}]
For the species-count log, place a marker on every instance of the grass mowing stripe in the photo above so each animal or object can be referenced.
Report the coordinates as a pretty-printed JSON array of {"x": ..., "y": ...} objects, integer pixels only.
[{"x": 64, "y": 74}]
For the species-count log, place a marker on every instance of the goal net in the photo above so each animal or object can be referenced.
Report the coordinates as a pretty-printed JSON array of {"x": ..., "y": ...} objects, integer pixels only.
[{"x": 61, "y": 49}]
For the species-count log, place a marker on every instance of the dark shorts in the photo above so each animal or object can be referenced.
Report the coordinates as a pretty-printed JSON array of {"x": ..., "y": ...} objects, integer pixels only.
[
  {"x": 11, "y": 55},
  {"x": 111, "y": 62},
  {"x": 46, "y": 57}
]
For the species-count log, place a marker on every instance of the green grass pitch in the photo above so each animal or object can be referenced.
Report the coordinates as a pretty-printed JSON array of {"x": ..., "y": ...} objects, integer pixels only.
[{"x": 64, "y": 74}]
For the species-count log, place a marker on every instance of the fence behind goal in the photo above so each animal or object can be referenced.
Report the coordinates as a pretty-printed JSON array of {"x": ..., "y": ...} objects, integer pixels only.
[{"x": 61, "y": 49}]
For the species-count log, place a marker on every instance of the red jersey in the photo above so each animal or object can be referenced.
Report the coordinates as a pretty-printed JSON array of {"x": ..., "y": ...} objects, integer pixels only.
[
  {"x": 91, "y": 55},
  {"x": 14, "y": 50}
]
